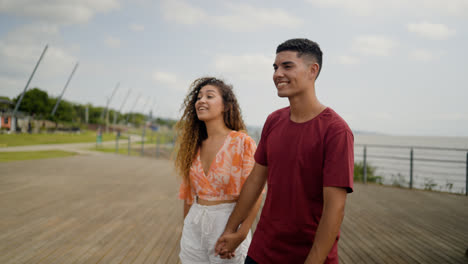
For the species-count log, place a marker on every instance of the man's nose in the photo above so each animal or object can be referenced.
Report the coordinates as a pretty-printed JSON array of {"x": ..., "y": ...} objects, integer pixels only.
[{"x": 277, "y": 73}]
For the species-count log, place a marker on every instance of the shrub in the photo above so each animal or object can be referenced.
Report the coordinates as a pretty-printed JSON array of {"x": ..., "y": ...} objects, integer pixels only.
[{"x": 359, "y": 173}]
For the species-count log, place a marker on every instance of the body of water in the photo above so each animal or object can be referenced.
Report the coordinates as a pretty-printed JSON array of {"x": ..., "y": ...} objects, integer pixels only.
[
  {"x": 436, "y": 169},
  {"x": 442, "y": 168}
]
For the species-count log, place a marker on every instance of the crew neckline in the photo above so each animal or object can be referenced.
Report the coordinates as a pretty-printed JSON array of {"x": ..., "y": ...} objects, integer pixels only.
[{"x": 308, "y": 121}]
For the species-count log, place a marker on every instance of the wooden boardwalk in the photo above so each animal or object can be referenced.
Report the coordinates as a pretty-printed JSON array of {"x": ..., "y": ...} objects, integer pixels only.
[{"x": 107, "y": 208}]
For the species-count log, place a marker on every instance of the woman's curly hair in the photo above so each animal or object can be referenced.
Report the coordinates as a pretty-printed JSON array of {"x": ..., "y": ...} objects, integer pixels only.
[{"x": 191, "y": 131}]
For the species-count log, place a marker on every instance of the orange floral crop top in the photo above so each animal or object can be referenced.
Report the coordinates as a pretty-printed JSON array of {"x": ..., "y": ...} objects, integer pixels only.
[{"x": 227, "y": 174}]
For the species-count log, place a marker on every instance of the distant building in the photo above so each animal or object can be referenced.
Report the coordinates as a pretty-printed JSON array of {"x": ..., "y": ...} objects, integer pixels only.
[
  {"x": 5, "y": 114},
  {"x": 5, "y": 120}
]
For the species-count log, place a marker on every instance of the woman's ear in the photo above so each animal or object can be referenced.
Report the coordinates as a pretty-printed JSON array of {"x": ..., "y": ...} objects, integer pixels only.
[{"x": 227, "y": 107}]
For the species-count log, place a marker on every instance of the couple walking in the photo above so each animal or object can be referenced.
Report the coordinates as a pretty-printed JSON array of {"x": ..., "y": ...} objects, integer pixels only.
[{"x": 305, "y": 157}]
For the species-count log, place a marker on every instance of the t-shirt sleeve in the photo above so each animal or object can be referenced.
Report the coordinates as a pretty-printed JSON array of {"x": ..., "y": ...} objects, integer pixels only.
[
  {"x": 248, "y": 160},
  {"x": 185, "y": 193},
  {"x": 339, "y": 161},
  {"x": 261, "y": 152}
]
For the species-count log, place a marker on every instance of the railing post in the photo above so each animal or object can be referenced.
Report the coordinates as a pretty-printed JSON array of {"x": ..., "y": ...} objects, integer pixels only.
[
  {"x": 157, "y": 145},
  {"x": 117, "y": 143},
  {"x": 466, "y": 180},
  {"x": 364, "y": 167},
  {"x": 129, "y": 147},
  {"x": 143, "y": 141},
  {"x": 411, "y": 169}
]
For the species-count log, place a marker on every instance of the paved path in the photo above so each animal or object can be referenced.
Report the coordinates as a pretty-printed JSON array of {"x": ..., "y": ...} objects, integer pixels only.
[
  {"x": 108, "y": 208},
  {"x": 81, "y": 148}
]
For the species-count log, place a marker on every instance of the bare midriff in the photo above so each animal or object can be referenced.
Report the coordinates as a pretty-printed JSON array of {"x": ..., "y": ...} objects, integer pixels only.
[{"x": 206, "y": 202}]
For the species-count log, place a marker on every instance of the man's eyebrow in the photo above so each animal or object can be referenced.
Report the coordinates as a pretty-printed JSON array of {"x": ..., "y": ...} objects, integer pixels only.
[{"x": 283, "y": 63}]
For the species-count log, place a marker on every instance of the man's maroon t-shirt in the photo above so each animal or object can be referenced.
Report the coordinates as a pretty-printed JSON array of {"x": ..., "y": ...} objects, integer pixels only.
[{"x": 302, "y": 158}]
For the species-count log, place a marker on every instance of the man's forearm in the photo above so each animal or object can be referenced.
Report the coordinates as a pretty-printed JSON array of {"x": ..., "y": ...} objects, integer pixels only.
[
  {"x": 325, "y": 237},
  {"x": 247, "y": 223},
  {"x": 250, "y": 193},
  {"x": 329, "y": 225}
]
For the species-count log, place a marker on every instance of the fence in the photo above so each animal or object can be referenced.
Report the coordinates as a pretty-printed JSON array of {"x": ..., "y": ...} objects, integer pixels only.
[
  {"x": 430, "y": 168},
  {"x": 153, "y": 144}
]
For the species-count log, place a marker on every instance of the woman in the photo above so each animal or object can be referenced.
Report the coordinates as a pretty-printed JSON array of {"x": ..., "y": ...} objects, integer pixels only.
[{"x": 214, "y": 158}]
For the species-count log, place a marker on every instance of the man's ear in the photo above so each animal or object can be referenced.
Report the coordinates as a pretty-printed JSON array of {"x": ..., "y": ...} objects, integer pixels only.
[{"x": 314, "y": 70}]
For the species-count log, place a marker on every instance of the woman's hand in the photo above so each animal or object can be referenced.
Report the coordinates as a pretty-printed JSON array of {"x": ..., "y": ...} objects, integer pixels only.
[{"x": 228, "y": 243}]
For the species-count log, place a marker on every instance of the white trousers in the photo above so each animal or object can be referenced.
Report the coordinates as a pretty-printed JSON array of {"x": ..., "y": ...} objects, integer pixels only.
[{"x": 203, "y": 225}]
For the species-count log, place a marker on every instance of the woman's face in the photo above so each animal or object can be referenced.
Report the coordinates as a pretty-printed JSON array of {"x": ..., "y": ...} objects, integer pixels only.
[{"x": 209, "y": 104}]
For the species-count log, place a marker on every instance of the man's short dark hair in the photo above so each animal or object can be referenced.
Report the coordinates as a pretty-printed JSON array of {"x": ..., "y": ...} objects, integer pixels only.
[{"x": 303, "y": 47}]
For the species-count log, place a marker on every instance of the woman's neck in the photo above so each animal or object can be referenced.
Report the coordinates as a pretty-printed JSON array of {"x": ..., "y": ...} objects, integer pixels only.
[{"x": 216, "y": 128}]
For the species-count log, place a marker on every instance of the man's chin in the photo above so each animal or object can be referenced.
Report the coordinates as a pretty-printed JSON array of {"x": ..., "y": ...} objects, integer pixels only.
[{"x": 282, "y": 94}]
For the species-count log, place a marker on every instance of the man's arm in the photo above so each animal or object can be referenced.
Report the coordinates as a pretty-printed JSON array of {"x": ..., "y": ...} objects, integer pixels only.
[
  {"x": 228, "y": 242},
  {"x": 244, "y": 212},
  {"x": 250, "y": 193},
  {"x": 334, "y": 199}
]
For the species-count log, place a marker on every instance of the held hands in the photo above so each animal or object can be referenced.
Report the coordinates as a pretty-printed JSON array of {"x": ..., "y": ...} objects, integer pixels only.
[{"x": 227, "y": 244}]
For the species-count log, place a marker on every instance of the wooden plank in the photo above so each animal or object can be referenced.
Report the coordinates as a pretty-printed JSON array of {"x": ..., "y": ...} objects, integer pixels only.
[{"x": 120, "y": 209}]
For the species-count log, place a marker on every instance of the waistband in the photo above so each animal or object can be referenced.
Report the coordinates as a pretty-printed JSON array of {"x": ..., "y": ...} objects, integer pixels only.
[{"x": 218, "y": 207}]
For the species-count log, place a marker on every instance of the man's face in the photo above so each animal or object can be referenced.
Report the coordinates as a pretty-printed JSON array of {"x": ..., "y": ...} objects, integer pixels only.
[{"x": 292, "y": 75}]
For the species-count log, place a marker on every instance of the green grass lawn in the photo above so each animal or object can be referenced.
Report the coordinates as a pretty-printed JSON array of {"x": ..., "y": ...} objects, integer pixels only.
[
  {"x": 38, "y": 139},
  {"x": 29, "y": 155}
]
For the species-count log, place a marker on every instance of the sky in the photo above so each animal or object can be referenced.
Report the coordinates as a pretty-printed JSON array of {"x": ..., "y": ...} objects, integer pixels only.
[{"x": 390, "y": 66}]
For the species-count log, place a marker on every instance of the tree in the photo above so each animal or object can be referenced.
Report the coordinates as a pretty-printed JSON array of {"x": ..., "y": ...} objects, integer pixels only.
[
  {"x": 35, "y": 102},
  {"x": 5, "y": 104},
  {"x": 65, "y": 111}
]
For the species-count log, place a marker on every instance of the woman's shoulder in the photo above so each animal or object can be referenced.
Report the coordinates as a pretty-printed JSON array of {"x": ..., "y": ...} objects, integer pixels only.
[
  {"x": 239, "y": 134},
  {"x": 241, "y": 137}
]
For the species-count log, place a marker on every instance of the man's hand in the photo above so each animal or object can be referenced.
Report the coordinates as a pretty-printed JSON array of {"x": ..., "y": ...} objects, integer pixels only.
[{"x": 227, "y": 244}]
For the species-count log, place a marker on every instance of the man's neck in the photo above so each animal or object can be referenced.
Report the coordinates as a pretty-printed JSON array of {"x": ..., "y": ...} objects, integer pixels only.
[{"x": 305, "y": 107}]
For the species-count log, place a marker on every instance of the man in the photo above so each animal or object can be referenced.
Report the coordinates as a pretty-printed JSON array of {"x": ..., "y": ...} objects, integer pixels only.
[{"x": 306, "y": 155}]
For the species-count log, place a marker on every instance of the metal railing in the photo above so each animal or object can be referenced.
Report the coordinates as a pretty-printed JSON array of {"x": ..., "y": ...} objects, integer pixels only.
[
  {"x": 432, "y": 164},
  {"x": 153, "y": 144}
]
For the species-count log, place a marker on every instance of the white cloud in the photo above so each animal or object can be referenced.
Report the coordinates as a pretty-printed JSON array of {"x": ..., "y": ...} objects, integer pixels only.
[
  {"x": 450, "y": 117},
  {"x": 432, "y": 31},
  {"x": 245, "y": 67},
  {"x": 347, "y": 60},
  {"x": 57, "y": 11},
  {"x": 389, "y": 7},
  {"x": 137, "y": 27},
  {"x": 170, "y": 80},
  {"x": 239, "y": 17},
  {"x": 182, "y": 12},
  {"x": 20, "y": 50},
  {"x": 359, "y": 7},
  {"x": 425, "y": 55},
  {"x": 112, "y": 42},
  {"x": 421, "y": 55},
  {"x": 165, "y": 77},
  {"x": 244, "y": 17},
  {"x": 11, "y": 87},
  {"x": 376, "y": 45}
]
